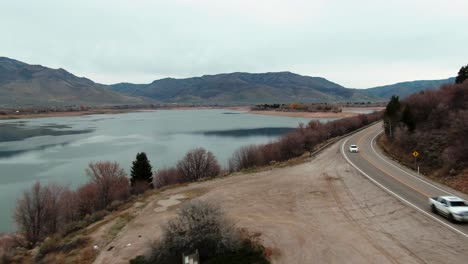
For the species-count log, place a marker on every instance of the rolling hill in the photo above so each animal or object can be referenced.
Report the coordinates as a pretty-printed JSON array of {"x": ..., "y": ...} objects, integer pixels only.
[
  {"x": 403, "y": 89},
  {"x": 22, "y": 84},
  {"x": 244, "y": 88}
]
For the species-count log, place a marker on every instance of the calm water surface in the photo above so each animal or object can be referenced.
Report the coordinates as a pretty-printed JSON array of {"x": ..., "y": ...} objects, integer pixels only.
[{"x": 58, "y": 149}]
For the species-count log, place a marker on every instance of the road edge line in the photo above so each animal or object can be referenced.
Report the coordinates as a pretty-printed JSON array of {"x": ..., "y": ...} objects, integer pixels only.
[
  {"x": 398, "y": 196},
  {"x": 407, "y": 173}
]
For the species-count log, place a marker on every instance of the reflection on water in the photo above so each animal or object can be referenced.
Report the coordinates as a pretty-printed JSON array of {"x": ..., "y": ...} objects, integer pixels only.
[
  {"x": 237, "y": 133},
  {"x": 19, "y": 131},
  {"x": 16, "y": 152}
]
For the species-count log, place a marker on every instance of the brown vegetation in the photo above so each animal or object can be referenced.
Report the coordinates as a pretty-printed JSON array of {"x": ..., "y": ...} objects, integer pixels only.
[
  {"x": 197, "y": 164},
  {"x": 7, "y": 245},
  {"x": 164, "y": 177},
  {"x": 37, "y": 212},
  {"x": 434, "y": 123},
  {"x": 300, "y": 107},
  {"x": 111, "y": 182},
  {"x": 305, "y": 138},
  {"x": 202, "y": 227},
  {"x": 46, "y": 210}
]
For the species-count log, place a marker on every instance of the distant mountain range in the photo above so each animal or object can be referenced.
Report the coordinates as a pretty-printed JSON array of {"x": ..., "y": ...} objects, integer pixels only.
[
  {"x": 247, "y": 88},
  {"x": 22, "y": 84}
]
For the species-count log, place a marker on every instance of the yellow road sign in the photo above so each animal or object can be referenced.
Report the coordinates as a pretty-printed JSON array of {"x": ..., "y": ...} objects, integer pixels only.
[{"x": 415, "y": 154}]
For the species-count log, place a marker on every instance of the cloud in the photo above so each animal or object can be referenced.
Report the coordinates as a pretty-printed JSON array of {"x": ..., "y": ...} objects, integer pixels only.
[{"x": 139, "y": 41}]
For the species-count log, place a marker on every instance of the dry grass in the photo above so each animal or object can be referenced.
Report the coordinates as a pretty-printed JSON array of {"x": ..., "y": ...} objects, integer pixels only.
[{"x": 118, "y": 225}]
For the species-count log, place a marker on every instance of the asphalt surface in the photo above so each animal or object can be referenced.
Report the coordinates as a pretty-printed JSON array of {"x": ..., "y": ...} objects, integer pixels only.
[{"x": 401, "y": 182}]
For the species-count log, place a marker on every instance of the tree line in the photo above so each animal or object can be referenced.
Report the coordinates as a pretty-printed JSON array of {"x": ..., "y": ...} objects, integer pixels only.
[{"x": 435, "y": 124}]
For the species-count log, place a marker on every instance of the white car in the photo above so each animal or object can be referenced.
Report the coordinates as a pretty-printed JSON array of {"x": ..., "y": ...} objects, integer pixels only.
[
  {"x": 353, "y": 148},
  {"x": 454, "y": 208}
]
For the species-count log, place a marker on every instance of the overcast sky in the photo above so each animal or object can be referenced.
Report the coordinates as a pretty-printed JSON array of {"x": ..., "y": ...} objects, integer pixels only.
[{"x": 358, "y": 44}]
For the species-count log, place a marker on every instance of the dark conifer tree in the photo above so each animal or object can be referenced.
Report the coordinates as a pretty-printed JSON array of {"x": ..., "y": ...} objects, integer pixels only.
[
  {"x": 408, "y": 119},
  {"x": 462, "y": 74},
  {"x": 391, "y": 115},
  {"x": 141, "y": 170}
]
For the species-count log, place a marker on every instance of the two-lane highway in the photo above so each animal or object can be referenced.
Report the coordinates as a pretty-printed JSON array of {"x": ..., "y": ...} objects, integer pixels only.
[{"x": 393, "y": 178}]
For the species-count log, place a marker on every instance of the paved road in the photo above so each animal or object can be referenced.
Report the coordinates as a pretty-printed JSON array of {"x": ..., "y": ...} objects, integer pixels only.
[{"x": 401, "y": 182}]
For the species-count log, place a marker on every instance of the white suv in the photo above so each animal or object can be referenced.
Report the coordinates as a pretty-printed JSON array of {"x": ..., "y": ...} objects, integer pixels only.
[{"x": 353, "y": 148}]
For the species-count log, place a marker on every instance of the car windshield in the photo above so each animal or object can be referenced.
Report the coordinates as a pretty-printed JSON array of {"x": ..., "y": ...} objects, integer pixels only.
[
  {"x": 457, "y": 203},
  {"x": 353, "y": 146}
]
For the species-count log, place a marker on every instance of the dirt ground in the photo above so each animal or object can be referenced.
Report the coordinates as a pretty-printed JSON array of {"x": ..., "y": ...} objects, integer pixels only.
[
  {"x": 322, "y": 211},
  {"x": 347, "y": 112}
]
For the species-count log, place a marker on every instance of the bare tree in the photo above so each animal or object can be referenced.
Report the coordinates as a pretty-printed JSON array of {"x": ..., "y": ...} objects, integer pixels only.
[
  {"x": 87, "y": 199},
  {"x": 291, "y": 145},
  {"x": 164, "y": 177},
  {"x": 53, "y": 193},
  {"x": 69, "y": 206},
  {"x": 245, "y": 157},
  {"x": 198, "y": 164},
  {"x": 30, "y": 213},
  {"x": 111, "y": 181}
]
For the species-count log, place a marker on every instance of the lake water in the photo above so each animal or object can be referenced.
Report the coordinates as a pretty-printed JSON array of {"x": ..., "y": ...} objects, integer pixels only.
[{"x": 58, "y": 149}]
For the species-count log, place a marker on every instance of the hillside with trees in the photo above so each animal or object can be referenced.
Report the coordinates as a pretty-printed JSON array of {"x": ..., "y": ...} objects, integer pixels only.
[
  {"x": 435, "y": 124},
  {"x": 244, "y": 88},
  {"x": 404, "y": 89}
]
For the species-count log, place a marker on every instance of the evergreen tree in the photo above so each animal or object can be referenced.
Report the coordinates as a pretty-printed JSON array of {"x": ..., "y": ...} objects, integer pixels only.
[
  {"x": 391, "y": 115},
  {"x": 141, "y": 170},
  {"x": 462, "y": 74},
  {"x": 408, "y": 119}
]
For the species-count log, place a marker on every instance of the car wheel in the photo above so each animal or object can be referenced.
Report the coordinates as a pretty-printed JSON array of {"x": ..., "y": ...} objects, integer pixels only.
[
  {"x": 451, "y": 218},
  {"x": 434, "y": 209}
]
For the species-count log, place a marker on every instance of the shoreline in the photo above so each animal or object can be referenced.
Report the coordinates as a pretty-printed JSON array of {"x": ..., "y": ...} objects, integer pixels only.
[
  {"x": 68, "y": 113},
  {"x": 305, "y": 114},
  {"x": 345, "y": 113}
]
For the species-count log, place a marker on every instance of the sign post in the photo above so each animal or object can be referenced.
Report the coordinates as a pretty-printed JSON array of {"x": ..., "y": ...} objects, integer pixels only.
[{"x": 415, "y": 155}]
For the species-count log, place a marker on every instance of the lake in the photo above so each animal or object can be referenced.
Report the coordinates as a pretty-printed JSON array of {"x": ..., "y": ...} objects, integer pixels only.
[{"x": 58, "y": 149}]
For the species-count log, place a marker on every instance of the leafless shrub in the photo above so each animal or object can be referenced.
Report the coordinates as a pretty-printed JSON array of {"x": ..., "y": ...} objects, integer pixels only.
[
  {"x": 31, "y": 213},
  {"x": 164, "y": 177},
  {"x": 110, "y": 180},
  {"x": 141, "y": 187},
  {"x": 69, "y": 206},
  {"x": 87, "y": 196},
  {"x": 7, "y": 248},
  {"x": 38, "y": 212},
  {"x": 198, "y": 226},
  {"x": 54, "y": 195},
  {"x": 270, "y": 152},
  {"x": 246, "y": 157},
  {"x": 291, "y": 145},
  {"x": 198, "y": 164}
]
